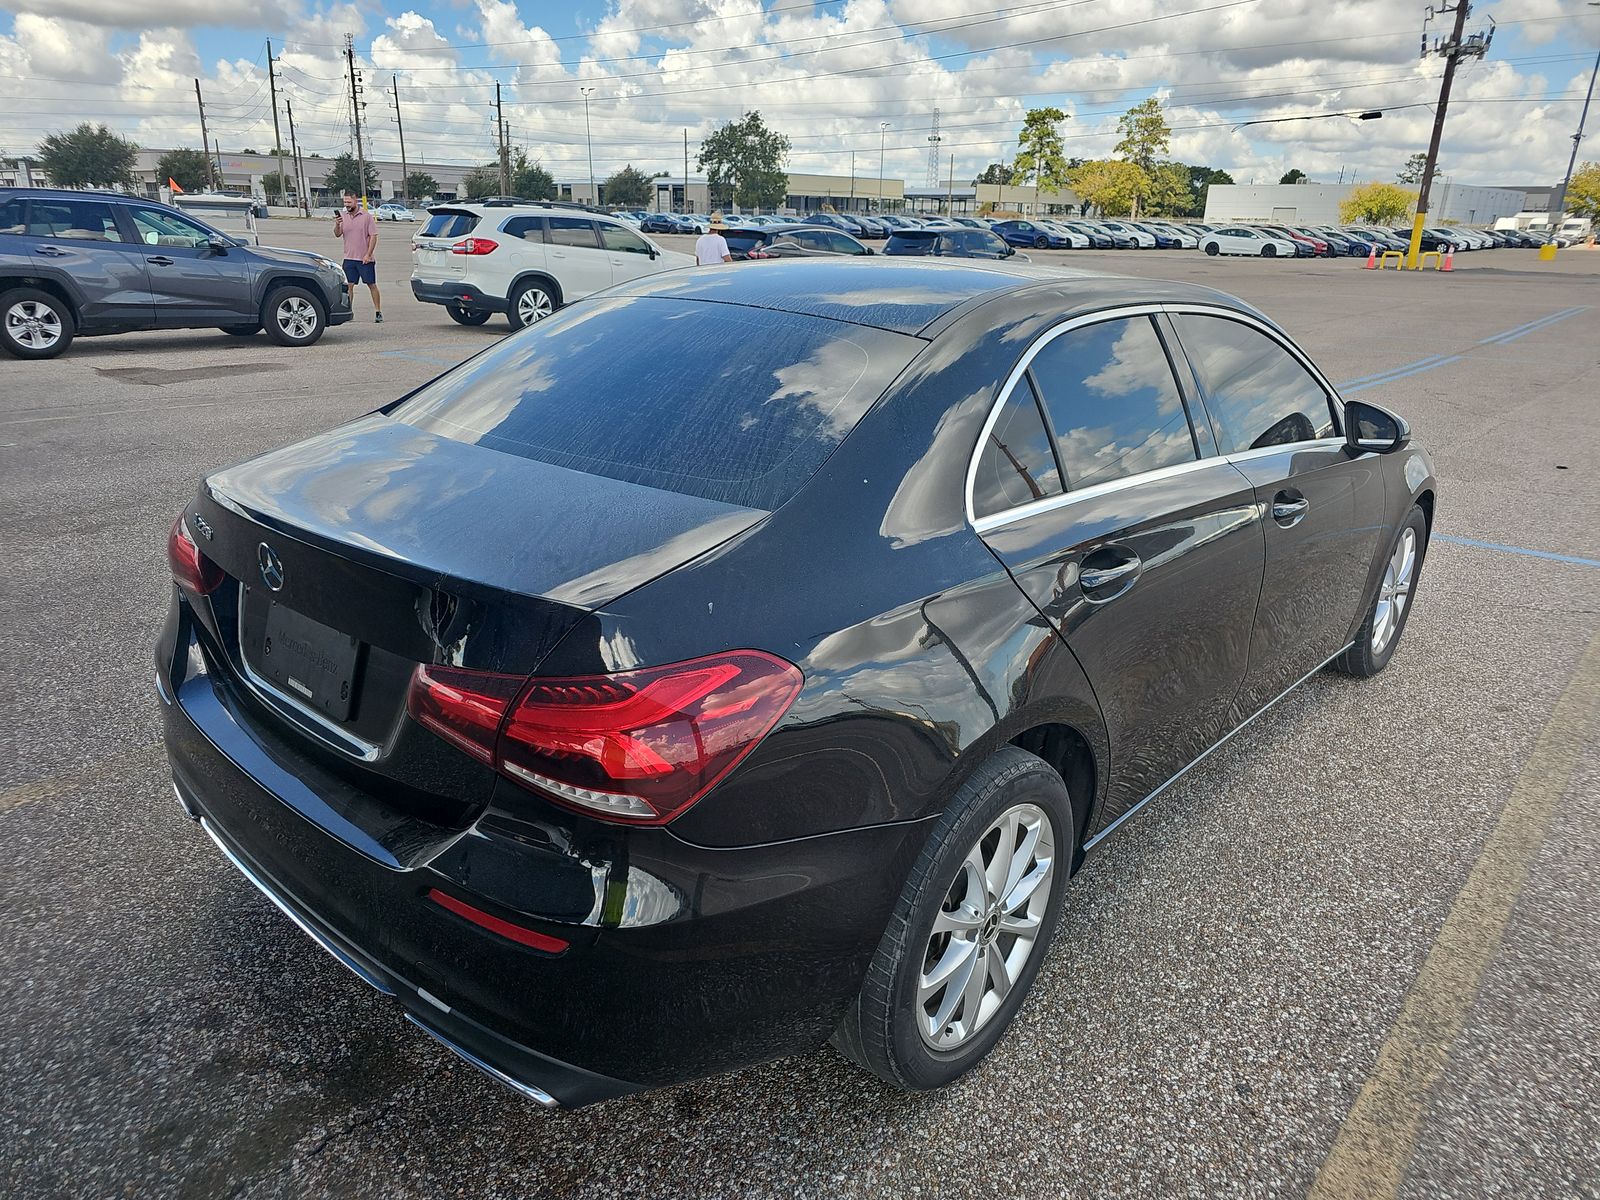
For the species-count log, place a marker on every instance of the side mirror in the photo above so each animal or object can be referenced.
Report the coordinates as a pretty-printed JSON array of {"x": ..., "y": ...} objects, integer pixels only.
[
  {"x": 218, "y": 245},
  {"x": 1010, "y": 250},
  {"x": 654, "y": 253},
  {"x": 868, "y": 250},
  {"x": 1374, "y": 430}
]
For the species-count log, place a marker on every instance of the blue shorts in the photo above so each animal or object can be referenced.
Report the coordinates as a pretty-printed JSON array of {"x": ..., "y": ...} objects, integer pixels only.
[{"x": 356, "y": 271}]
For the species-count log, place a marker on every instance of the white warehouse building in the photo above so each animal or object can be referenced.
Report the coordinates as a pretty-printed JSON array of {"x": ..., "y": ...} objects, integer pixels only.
[{"x": 1318, "y": 203}]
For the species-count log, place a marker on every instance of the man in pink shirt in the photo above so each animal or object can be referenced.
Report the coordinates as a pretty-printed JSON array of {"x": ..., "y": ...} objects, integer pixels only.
[{"x": 359, "y": 229}]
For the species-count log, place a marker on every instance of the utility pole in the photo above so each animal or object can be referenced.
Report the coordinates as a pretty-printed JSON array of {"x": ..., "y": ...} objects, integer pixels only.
[
  {"x": 299, "y": 170},
  {"x": 594, "y": 195},
  {"x": 1577, "y": 139},
  {"x": 685, "y": 207},
  {"x": 405, "y": 171},
  {"x": 205, "y": 141},
  {"x": 355, "y": 116},
  {"x": 1453, "y": 50},
  {"x": 277, "y": 138},
  {"x": 505, "y": 151},
  {"x": 950, "y": 188},
  {"x": 852, "y": 181},
  {"x": 883, "y": 130}
]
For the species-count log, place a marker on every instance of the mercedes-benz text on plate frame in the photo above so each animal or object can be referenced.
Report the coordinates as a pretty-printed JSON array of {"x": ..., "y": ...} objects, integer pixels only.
[{"x": 558, "y": 739}]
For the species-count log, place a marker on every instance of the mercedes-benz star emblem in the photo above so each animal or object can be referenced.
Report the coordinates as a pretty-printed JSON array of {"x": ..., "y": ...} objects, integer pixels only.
[{"x": 271, "y": 567}]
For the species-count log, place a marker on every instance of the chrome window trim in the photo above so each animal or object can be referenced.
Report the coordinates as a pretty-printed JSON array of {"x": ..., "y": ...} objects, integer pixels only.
[{"x": 1019, "y": 512}]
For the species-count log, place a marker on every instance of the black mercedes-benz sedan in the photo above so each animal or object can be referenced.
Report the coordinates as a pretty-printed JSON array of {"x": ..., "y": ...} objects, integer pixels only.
[{"x": 742, "y": 660}]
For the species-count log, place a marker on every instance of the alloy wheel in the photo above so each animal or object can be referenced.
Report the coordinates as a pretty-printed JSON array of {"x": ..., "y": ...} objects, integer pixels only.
[
  {"x": 34, "y": 325},
  {"x": 986, "y": 927},
  {"x": 534, "y": 305},
  {"x": 1394, "y": 593},
  {"x": 297, "y": 317}
]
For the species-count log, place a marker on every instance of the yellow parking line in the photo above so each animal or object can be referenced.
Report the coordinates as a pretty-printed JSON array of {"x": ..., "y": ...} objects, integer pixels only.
[
  {"x": 61, "y": 785},
  {"x": 1375, "y": 1144}
]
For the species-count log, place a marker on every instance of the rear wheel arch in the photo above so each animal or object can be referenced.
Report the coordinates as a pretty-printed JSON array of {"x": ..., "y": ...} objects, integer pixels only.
[
  {"x": 543, "y": 279},
  {"x": 1068, "y": 751},
  {"x": 46, "y": 283}
]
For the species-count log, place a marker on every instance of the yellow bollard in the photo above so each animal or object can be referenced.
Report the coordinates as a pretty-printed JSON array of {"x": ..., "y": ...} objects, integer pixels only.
[
  {"x": 1547, "y": 252},
  {"x": 1399, "y": 257}
]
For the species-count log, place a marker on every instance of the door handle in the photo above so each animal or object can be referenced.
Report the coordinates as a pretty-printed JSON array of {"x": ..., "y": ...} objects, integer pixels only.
[
  {"x": 1289, "y": 507},
  {"x": 160, "y": 260},
  {"x": 1099, "y": 577},
  {"x": 53, "y": 251}
]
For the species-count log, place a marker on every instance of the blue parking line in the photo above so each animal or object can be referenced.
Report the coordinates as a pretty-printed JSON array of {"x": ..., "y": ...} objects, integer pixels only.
[
  {"x": 1523, "y": 550},
  {"x": 425, "y": 358},
  {"x": 1386, "y": 373},
  {"x": 1415, "y": 368},
  {"x": 1553, "y": 319}
]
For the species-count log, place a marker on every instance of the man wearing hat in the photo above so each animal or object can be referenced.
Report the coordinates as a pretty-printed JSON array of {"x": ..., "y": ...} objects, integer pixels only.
[{"x": 712, "y": 247}]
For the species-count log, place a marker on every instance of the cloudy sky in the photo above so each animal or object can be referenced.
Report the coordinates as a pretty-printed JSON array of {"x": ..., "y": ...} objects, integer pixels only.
[{"x": 825, "y": 72}]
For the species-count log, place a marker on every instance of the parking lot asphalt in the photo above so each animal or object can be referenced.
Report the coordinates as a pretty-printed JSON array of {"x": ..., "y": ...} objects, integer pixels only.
[{"x": 1354, "y": 953}]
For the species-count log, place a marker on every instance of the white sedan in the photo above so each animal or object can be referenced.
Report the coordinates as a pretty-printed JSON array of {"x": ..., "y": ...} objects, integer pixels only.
[
  {"x": 393, "y": 212},
  {"x": 1142, "y": 238},
  {"x": 1240, "y": 239},
  {"x": 1080, "y": 241}
]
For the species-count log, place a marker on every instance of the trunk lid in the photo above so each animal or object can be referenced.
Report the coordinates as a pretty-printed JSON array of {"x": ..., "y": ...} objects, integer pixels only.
[
  {"x": 356, "y": 555},
  {"x": 430, "y": 246}
]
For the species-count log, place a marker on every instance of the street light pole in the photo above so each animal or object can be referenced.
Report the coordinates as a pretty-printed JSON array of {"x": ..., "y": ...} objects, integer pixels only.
[
  {"x": 1577, "y": 140},
  {"x": 883, "y": 130},
  {"x": 594, "y": 196}
]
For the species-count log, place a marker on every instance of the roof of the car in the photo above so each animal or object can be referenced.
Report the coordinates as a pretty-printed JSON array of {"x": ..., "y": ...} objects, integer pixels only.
[
  {"x": 70, "y": 193},
  {"x": 907, "y": 295}
]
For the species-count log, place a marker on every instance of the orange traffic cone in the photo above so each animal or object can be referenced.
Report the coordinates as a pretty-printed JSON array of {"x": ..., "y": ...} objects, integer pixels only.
[
  {"x": 1372, "y": 257},
  {"x": 1449, "y": 263}
]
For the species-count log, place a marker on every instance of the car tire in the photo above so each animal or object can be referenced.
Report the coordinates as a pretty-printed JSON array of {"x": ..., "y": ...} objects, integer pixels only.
[
  {"x": 241, "y": 331},
  {"x": 532, "y": 301},
  {"x": 1041, "y": 243},
  {"x": 1213, "y": 249},
  {"x": 1379, "y": 634},
  {"x": 888, "y": 1029},
  {"x": 1269, "y": 252},
  {"x": 35, "y": 324},
  {"x": 466, "y": 316},
  {"x": 293, "y": 316}
]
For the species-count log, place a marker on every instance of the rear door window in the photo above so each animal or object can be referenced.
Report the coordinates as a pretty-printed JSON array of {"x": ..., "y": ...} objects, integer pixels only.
[
  {"x": 573, "y": 231},
  {"x": 739, "y": 405},
  {"x": 83, "y": 220},
  {"x": 1112, "y": 401},
  {"x": 449, "y": 224},
  {"x": 1017, "y": 465},
  {"x": 11, "y": 216},
  {"x": 1257, "y": 393}
]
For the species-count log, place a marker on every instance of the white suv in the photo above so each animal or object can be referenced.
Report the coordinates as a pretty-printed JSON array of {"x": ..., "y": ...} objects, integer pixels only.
[{"x": 525, "y": 259}]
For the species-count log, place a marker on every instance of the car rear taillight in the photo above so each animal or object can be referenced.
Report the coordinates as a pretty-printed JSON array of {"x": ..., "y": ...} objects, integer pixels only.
[
  {"x": 637, "y": 746},
  {"x": 190, "y": 568},
  {"x": 475, "y": 246}
]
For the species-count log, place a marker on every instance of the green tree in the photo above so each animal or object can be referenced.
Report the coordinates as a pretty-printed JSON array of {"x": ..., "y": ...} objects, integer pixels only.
[
  {"x": 276, "y": 187},
  {"x": 1110, "y": 187},
  {"x": 995, "y": 172},
  {"x": 1169, "y": 194},
  {"x": 1294, "y": 176},
  {"x": 187, "y": 168},
  {"x": 481, "y": 181},
  {"x": 1583, "y": 193},
  {"x": 346, "y": 175},
  {"x": 629, "y": 186},
  {"x": 1145, "y": 137},
  {"x": 1376, "y": 204},
  {"x": 1039, "y": 154},
  {"x": 1415, "y": 166},
  {"x": 420, "y": 184},
  {"x": 529, "y": 179},
  {"x": 1200, "y": 181},
  {"x": 744, "y": 162},
  {"x": 88, "y": 156}
]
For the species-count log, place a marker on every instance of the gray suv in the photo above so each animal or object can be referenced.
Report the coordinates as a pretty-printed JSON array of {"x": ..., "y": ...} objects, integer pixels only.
[{"x": 86, "y": 263}]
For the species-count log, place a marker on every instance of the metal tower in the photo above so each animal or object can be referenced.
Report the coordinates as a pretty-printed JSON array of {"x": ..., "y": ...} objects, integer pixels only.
[{"x": 933, "y": 152}]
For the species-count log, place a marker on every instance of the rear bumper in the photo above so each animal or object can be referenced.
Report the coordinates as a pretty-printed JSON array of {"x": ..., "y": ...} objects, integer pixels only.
[
  {"x": 681, "y": 961},
  {"x": 463, "y": 295}
]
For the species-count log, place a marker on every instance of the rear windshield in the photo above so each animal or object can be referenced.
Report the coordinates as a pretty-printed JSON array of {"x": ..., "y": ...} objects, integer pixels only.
[
  {"x": 742, "y": 241},
  {"x": 449, "y": 224},
  {"x": 734, "y": 404}
]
